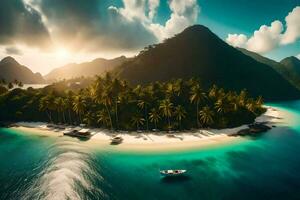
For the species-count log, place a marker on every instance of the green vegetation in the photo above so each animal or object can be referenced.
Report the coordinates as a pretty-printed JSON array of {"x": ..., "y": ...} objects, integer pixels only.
[
  {"x": 198, "y": 52},
  {"x": 11, "y": 70},
  {"x": 112, "y": 103},
  {"x": 4, "y": 86},
  {"x": 289, "y": 67}
]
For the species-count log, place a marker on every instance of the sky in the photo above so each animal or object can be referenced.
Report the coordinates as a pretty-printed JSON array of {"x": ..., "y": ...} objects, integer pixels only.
[{"x": 45, "y": 34}]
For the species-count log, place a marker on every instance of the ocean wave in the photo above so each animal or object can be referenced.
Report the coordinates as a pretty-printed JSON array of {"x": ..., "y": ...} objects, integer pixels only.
[{"x": 68, "y": 172}]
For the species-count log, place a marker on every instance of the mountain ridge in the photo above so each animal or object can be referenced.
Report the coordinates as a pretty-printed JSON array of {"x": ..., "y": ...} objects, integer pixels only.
[
  {"x": 289, "y": 67},
  {"x": 197, "y": 51},
  {"x": 95, "y": 67},
  {"x": 11, "y": 70}
]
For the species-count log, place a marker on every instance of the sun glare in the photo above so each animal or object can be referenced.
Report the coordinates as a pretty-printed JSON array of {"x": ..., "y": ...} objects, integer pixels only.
[{"x": 62, "y": 53}]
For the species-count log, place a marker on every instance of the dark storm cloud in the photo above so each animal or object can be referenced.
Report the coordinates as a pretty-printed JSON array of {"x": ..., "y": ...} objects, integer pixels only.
[
  {"x": 93, "y": 25},
  {"x": 19, "y": 23},
  {"x": 13, "y": 51}
]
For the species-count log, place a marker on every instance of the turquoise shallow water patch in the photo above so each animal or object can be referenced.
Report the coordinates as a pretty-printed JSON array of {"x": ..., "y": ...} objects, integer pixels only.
[{"x": 265, "y": 167}]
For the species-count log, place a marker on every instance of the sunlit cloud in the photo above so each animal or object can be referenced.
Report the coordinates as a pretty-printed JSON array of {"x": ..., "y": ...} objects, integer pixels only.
[
  {"x": 22, "y": 24},
  {"x": 267, "y": 38},
  {"x": 13, "y": 51},
  {"x": 56, "y": 32}
]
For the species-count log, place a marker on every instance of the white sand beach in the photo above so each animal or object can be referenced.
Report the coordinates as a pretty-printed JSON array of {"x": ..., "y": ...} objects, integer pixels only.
[{"x": 157, "y": 141}]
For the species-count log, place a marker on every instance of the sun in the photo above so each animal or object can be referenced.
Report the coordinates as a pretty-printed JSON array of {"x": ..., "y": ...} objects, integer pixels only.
[{"x": 62, "y": 53}]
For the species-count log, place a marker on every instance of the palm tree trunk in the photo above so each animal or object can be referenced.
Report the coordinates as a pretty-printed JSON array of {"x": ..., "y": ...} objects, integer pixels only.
[
  {"x": 110, "y": 120},
  {"x": 179, "y": 124},
  {"x": 58, "y": 118},
  {"x": 70, "y": 119},
  {"x": 155, "y": 125},
  {"x": 64, "y": 118},
  {"x": 169, "y": 123},
  {"x": 117, "y": 120},
  {"x": 197, "y": 115},
  {"x": 146, "y": 116},
  {"x": 50, "y": 114}
]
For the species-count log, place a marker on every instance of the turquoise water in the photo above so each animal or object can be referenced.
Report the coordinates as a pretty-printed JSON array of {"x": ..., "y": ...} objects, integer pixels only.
[{"x": 265, "y": 167}]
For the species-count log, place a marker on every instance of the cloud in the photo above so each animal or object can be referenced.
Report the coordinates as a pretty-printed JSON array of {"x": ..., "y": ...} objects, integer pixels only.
[
  {"x": 21, "y": 23},
  {"x": 292, "y": 26},
  {"x": 153, "y": 5},
  {"x": 13, "y": 51},
  {"x": 270, "y": 37},
  {"x": 266, "y": 38},
  {"x": 237, "y": 40},
  {"x": 184, "y": 14},
  {"x": 95, "y": 25}
]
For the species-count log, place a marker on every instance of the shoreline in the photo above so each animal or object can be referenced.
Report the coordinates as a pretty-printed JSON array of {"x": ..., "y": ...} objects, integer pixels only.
[{"x": 158, "y": 141}]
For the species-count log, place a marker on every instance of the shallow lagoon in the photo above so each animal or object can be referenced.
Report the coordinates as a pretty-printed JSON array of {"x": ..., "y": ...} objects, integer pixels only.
[{"x": 39, "y": 167}]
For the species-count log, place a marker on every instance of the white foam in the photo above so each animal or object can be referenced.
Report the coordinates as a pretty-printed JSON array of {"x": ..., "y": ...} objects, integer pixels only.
[{"x": 65, "y": 173}]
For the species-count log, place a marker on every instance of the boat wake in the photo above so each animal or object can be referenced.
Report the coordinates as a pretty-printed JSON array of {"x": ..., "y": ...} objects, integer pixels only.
[{"x": 68, "y": 174}]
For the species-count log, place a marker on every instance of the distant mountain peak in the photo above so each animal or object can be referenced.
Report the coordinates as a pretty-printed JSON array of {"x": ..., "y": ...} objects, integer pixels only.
[
  {"x": 97, "y": 66},
  {"x": 291, "y": 59},
  {"x": 9, "y": 60},
  {"x": 11, "y": 70},
  {"x": 197, "y": 31},
  {"x": 196, "y": 28}
]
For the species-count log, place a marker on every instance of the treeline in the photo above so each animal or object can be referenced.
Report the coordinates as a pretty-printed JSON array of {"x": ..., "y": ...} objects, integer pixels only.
[
  {"x": 112, "y": 103},
  {"x": 4, "y": 85}
]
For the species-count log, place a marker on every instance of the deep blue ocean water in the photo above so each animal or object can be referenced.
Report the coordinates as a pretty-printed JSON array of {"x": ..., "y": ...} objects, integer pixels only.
[{"x": 265, "y": 167}]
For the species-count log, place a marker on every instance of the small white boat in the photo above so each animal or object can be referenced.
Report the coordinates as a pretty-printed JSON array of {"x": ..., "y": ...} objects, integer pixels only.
[
  {"x": 171, "y": 172},
  {"x": 116, "y": 140},
  {"x": 83, "y": 133}
]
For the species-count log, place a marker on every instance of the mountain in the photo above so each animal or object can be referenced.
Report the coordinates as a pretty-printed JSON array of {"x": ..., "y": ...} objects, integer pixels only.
[
  {"x": 292, "y": 63},
  {"x": 289, "y": 67},
  {"x": 197, "y": 52},
  {"x": 11, "y": 70},
  {"x": 95, "y": 67}
]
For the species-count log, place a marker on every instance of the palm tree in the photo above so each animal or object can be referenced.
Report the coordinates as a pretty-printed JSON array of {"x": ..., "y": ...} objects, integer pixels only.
[
  {"x": 212, "y": 93},
  {"x": 242, "y": 98},
  {"x": 116, "y": 88},
  {"x": 166, "y": 108},
  {"x": 79, "y": 105},
  {"x": 180, "y": 114},
  {"x": 47, "y": 104},
  {"x": 88, "y": 118},
  {"x": 251, "y": 106},
  {"x": 43, "y": 106},
  {"x": 143, "y": 104},
  {"x": 107, "y": 101},
  {"x": 206, "y": 116},
  {"x": 178, "y": 87},
  {"x": 69, "y": 104},
  {"x": 20, "y": 84},
  {"x": 144, "y": 96},
  {"x": 221, "y": 106},
  {"x": 154, "y": 117},
  {"x": 10, "y": 85},
  {"x": 197, "y": 96},
  {"x": 103, "y": 118},
  {"x": 170, "y": 90},
  {"x": 60, "y": 105},
  {"x": 137, "y": 120},
  {"x": 259, "y": 101}
]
